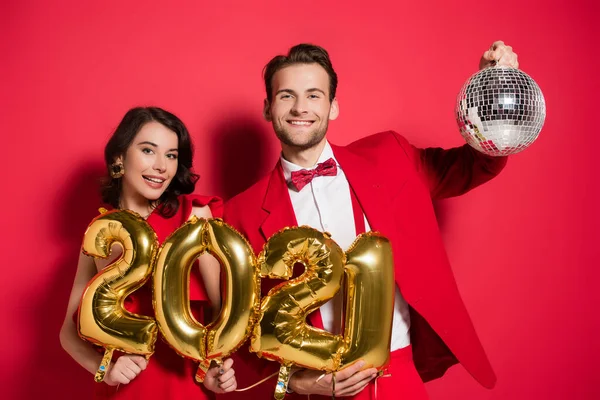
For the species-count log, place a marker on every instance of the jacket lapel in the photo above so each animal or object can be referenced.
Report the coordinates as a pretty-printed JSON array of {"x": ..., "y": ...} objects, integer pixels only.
[
  {"x": 277, "y": 205},
  {"x": 372, "y": 191},
  {"x": 370, "y": 181}
]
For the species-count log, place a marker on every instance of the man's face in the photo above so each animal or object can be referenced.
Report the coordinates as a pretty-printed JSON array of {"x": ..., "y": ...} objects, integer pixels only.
[{"x": 300, "y": 108}]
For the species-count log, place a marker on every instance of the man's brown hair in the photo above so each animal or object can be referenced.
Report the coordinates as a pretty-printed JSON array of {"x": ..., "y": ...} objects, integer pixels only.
[{"x": 301, "y": 54}]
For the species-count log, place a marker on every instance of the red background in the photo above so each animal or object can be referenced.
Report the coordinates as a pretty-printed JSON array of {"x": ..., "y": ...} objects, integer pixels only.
[{"x": 523, "y": 246}]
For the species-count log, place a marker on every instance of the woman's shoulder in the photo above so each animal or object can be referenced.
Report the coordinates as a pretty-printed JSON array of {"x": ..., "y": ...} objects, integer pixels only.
[{"x": 201, "y": 204}]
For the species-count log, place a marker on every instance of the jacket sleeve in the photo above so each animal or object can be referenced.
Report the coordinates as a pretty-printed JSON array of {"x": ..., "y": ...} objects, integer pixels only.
[{"x": 452, "y": 172}]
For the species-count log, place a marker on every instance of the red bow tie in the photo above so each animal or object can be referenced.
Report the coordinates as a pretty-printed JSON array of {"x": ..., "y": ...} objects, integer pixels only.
[{"x": 304, "y": 177}]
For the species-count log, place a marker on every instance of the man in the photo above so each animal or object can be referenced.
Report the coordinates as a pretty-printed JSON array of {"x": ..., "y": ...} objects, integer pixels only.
[{"x": 379, "y": 183}]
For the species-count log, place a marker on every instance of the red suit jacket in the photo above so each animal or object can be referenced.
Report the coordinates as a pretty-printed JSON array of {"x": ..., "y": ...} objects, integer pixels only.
[{"x": 395, "y": 184}]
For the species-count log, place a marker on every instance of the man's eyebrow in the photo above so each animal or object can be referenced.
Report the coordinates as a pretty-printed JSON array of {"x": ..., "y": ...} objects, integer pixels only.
[{"x": 290, "y": 91}]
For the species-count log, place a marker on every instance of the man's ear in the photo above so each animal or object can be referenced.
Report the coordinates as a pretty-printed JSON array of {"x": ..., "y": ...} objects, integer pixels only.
[
  {"x": 267, "y": 110},
  {"x": 334, "y": 110}
]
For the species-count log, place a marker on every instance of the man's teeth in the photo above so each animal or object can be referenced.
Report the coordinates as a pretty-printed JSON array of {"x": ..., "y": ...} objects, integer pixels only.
[
  {"x": 154, "y": 180},
  {"x": 300, "y": 122}
]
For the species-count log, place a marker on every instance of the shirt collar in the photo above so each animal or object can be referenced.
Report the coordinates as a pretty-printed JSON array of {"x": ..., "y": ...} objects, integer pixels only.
[{"x": 289, "y": 167}]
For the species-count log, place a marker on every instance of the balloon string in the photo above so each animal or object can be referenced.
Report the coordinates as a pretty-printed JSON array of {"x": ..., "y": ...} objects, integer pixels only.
[
  {"x": 377, "y": 377},
  {"x": 333, "y": 386},
  {"x": 258, "y": 383}
]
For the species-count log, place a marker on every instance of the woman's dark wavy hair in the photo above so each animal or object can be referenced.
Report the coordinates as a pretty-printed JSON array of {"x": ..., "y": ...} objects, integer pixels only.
[{"x": 184, "y": 180}]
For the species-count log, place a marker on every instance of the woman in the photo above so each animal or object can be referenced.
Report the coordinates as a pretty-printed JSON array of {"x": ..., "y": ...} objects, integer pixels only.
[{"x": 149, "y": 160}]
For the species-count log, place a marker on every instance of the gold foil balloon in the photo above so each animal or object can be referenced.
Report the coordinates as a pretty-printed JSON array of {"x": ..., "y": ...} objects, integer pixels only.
[
  {"x": 241, "y": 295},
  {"x": 282, "y": 333},
  {"x": 171, "y": 297},
  {"x": 171, "y": 300},
  {"x": 369, "y": 305},
  {"x": 102, "y": 318}
]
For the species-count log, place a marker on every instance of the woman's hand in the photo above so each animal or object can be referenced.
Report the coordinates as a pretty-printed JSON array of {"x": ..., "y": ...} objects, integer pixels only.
[
  {"x": 221, "y": 379},
  {"x": 125, "y": 369}
]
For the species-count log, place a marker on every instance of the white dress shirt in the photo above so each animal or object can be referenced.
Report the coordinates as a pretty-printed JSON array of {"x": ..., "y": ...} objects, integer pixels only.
[{"x": 326, "y": 205}]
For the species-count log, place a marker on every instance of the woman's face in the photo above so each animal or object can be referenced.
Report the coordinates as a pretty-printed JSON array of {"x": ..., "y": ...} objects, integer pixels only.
[{"x": 150, "y": 162}]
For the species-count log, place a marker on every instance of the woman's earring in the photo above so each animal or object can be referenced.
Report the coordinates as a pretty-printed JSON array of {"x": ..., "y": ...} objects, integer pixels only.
[{"x": 117, "y": 170}]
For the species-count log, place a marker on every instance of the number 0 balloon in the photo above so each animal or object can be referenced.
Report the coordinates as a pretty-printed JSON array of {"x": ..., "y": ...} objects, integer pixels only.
[{"x": 231, "y": 328}]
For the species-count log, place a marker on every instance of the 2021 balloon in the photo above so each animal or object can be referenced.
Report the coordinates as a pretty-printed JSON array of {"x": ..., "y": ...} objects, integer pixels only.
[{"x": 277, "y": 325}]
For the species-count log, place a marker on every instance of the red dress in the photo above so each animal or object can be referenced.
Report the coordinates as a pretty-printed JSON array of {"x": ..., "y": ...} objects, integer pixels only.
[{"x": 168, "y": 375}]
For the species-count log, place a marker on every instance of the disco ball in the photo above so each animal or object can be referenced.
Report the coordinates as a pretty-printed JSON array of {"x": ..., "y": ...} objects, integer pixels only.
[{"x": 500, "y": 111}]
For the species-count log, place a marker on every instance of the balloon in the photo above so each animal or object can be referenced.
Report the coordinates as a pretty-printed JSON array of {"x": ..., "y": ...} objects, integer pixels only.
[
  {"x": 282, "y": 333},
  {"x": 369, "y": 305},
  {"x": 277, "y": 324},
  {"x": 241, "y": 297},
  {"x": 102, "y": 318},
  {"x": 171, "y": 298},
  {"x": 182, "y": 332}
]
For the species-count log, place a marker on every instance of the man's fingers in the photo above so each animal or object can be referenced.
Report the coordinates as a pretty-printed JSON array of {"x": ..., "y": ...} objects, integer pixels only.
[
  {"x": 347, "y": 372},
  {"x": 353, "y": 390},
  {"x": 501, "y": 56},
  {"x": 509, "y": 59},
  {"x": 497, "y": 44},
  {"x": 362, "y": 376},
  {"x": 498, "y": 54}
]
